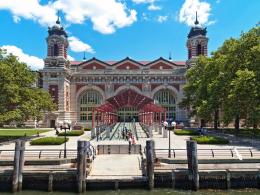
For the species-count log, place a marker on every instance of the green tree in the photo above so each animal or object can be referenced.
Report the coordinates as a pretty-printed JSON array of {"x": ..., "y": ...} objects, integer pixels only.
[
  {"x": 228, "y": 82},
  {"x": 19, "y": 100}
]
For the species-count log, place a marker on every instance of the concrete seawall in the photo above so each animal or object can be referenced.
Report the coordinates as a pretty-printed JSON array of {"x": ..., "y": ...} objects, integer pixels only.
[{"x": 176, "y": 179}]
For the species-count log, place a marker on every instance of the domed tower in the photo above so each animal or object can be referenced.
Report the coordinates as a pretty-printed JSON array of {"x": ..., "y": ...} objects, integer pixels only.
[
  {"x": 197, "y": 43},
  {"x": 56, "y": 74},
  {"x": 57, "y": 47}
]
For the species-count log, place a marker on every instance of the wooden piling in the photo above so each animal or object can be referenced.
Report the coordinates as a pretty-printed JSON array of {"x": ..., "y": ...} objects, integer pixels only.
[
  {"x": 228, "y": 184},
  {"x": 50, "y": 182},
  {"x": 21, "y": 165},
  {"x": 173, "y": 179},
  {"x": 150, "y": 163},
  {"x": 16, "y": 166},
  {"x": 193, "y": 164},
  {"x": 116, "y": 184},
  {"x": 80, "y": 164}
]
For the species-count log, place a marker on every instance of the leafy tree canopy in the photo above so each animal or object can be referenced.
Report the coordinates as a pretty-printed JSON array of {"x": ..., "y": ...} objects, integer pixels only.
[
  {"x": 228, "y": 81},
  {"x": 20, "y": 100}
]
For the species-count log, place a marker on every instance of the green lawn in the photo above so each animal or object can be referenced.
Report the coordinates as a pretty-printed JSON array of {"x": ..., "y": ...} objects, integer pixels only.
[
  {"x": 243, "y": 132},
  {"x": 185, "y": 132},
  {"x": 20, "y": 132},
  {"x": 210, "y": 140},
  {"x": 49, "y": 141},
  {"x": 72, "y": 133}
]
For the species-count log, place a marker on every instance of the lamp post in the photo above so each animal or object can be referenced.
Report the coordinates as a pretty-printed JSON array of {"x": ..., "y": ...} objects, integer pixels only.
[
  {"x": 169, "y": 124},
  {"x": 65, "y": 125}
]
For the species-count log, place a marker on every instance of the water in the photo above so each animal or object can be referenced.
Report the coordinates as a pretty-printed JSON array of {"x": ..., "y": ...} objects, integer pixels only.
[{"x": 146, "y": 192}]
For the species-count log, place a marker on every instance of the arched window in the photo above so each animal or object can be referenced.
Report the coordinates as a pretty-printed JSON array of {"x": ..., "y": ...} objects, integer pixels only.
[
  {"x": 55, "y": 50},
  {"x": 88, "y": 101},
  {"x": 198, "y": 49},
  {"x": 166, "y": 99}
]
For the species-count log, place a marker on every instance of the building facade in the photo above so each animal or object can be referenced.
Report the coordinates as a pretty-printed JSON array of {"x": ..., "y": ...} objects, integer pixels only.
[{"x": 78, "y": 87}]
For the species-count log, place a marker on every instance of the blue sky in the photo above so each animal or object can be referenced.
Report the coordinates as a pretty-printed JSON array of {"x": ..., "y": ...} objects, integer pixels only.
[{"x": 115, "y": 29}]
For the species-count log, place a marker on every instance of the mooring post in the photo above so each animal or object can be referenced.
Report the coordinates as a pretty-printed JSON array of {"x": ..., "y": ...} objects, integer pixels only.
[
  {"x": 50, "y": 182},
  {"x": 165, "y": 133},
  {"x": 193, "y": 164},
  {"x": 160, "y": 129},
  {"x": 86, "y": 150},
  {"x": 155, "y": 127},
  {"x": 150, "y": 163},
  {"x": 258, "y": 179},
  {"x": 228, "y": 185},
  {"x": 21, "y": 165},
  {"x": 173, "y": 179},
  {"x": 80, "y": 162},
  {"x": 16, "y": 166}
]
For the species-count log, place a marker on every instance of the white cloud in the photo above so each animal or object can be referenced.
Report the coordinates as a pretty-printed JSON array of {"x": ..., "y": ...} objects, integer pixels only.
[
  {"x": 77, "y": 45},
  {"x": 153, "y": 7},
  {"x": 162, "y": 19},
  {"x": 30, "y": 9},
  {"x": 106, "y": 16},
  {"x": 34, "y": 62},
  {"x": 70, "y": 58},
  {"x": 143, "y": 1},
  {"x": 188, "y": 12}
]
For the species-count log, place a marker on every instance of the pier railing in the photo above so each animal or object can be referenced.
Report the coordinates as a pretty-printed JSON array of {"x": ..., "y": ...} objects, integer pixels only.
[
  {"x": 218, "y": 153},
  {"x": 47, "y": 154}
]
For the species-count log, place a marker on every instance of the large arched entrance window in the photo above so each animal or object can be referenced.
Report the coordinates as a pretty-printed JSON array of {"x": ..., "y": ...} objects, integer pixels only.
[
  {"x": 88, "y": 101},
  {"x": 166, "y": 99}
]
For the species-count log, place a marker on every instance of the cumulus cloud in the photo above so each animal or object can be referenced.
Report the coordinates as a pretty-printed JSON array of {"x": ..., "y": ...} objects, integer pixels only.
[
  {"x": 188, "y": 12},
  {"x": 32, "y": 61},
  {"x": 162, "y": 19},
  {"x": 153, "y": 7},
  {"x": 70, "y": 58},
  {"x": 77, "y": 45},
  {"x": 106, "y": 16},
  {"x": 143, "y": 1},
  {"x": 30, "y": 9}
]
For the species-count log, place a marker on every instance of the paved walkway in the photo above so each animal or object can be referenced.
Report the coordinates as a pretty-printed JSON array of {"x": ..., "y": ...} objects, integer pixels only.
[
  {"x": 116, "y": 165},
  {"x": 177, "y": 142}
]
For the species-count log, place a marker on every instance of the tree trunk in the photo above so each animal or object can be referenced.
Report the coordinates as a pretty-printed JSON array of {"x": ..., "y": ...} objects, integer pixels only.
[
  {"x": 216, "y": 118},
  {"x": 254, "y": 126},
  {"x": 237, "y": 124},
  {"x": 202, "y": 123}
]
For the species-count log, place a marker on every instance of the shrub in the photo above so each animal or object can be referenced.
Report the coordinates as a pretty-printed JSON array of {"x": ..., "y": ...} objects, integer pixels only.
[
  {"x": 49, "y": 141},
  {"x": 87, "y": 129},
  {"x": 77, "y": 127},
  {"x": 72, "y": 133},
  {"x": 210, "y": 140},
  {"x": 186, "y": 132}
]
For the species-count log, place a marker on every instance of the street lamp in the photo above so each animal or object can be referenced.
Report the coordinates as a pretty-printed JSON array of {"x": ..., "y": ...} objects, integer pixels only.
[
  {"x": 169, "y": 125},
  {"x": 65, "y": 125}
]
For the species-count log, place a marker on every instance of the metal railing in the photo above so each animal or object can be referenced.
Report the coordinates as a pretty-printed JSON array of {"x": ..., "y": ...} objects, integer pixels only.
[
  {"x": 49, "y": 154},
  {"x": 228, "y": 153}
]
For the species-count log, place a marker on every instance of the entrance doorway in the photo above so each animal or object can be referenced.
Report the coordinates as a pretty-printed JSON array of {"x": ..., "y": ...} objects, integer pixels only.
[
  {"x": 127, "y": 114},
  {"x": 52, "y": 123}
]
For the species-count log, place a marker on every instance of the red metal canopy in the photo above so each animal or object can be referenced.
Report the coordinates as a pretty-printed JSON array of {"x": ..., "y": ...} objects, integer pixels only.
[{"x": 129, "y": 98}]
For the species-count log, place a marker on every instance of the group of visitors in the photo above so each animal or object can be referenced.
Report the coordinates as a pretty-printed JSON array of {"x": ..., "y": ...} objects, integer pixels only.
[{"x": 128, "y": 136}]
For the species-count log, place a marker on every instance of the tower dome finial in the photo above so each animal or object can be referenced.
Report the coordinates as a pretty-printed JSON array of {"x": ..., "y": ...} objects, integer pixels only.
[
  {"x": 196, "y": 21},
  {"x": 58, "y": 19}
]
